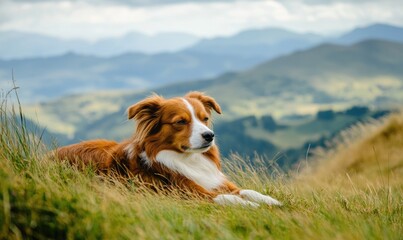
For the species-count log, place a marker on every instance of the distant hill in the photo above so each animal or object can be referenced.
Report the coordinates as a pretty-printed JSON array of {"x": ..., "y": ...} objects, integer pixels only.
[
  {"x": 80, "y": 68},
  {"x": 268, "y": 43},
  {"x": 138, "y": 42},
  {"x": 51, "y": 77},
  {"x": 259, "y": 44},
  {"x": 376, "y": 31},
  {"x": 18, "y": 45},
  {"x": 14, "y": 44}
]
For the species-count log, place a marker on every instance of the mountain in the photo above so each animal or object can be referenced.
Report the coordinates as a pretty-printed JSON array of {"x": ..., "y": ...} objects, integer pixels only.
[
  {"x": 258, "y": 44},
  {"x": 324, "y": 77},
  {"x": 376, "y": 31},
  {"x": 18, "y": 45},
  {"x": 261, "y": 44},
  {"x": 137, "y": 42},
  {"x": 51, "y": 77}
]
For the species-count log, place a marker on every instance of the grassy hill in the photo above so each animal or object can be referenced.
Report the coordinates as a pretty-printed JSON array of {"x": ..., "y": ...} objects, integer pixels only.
[
  {"x": 367, "y": 150},
  {"x": 350, "y": 194},
  {"x": 288, "y": 143}
]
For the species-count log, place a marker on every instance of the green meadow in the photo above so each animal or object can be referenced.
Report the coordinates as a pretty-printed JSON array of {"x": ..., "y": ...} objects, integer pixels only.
[{"x": 352, "y": 191}]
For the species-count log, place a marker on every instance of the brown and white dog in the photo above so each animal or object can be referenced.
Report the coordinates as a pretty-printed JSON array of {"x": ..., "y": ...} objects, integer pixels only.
[{"x": 172, "y": 145}]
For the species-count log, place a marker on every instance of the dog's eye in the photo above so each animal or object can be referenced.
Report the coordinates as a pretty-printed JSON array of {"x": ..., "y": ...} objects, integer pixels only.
[
  {"x": 182, "y": 122},
  {"x": 206, "y": 119}
]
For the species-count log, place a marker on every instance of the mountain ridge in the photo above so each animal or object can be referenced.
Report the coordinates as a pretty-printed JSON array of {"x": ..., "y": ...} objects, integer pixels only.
[
  {"x": 265, "y": 90},
  {"x": 47, "y": 78},
  {"x": 263, "y": 37},
  {"x": 264, "y": 42},
  {"x": 21, "y": 45},
  {"x": 380, "y": 31}
]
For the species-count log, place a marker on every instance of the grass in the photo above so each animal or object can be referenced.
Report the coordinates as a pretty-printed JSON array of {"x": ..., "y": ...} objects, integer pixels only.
[{"x": 45, "y": 199}]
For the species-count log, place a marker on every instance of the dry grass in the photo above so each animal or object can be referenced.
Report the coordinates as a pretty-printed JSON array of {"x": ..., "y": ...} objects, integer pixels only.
[{"x": 372, "y": 151}]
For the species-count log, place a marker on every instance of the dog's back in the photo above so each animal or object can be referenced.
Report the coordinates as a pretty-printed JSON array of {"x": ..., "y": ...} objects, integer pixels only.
[{"x": 100, "y": 153}]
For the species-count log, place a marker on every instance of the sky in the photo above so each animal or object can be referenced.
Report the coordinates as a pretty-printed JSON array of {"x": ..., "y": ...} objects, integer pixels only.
[{"x": 95, "y": 19}]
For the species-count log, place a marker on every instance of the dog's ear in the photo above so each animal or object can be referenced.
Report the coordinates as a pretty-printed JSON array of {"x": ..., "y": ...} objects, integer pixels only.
[
  {"x": 208, "y": 102},
  {"x": 146, "y": 114},
  {"x": 145, "y": 108}
]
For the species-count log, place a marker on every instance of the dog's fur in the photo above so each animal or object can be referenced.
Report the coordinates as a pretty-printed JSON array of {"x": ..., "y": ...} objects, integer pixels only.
[{"x": 172, "y": 145}]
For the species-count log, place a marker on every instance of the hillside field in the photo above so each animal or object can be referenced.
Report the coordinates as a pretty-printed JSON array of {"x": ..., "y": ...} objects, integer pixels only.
[{"x": 353, "y": 191}]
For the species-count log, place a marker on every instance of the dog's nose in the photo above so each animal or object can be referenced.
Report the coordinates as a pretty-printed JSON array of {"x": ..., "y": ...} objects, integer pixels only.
[{"x": 208, "y": 136}]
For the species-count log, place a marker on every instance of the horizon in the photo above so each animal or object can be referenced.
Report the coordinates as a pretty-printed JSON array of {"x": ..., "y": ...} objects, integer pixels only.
[
  {"x": 333, "y": 34},
  {"x": 91, "y": 21}
]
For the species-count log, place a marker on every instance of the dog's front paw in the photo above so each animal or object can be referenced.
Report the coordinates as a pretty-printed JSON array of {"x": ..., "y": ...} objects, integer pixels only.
[
  {"x": 254, "y": 196},
  {"x": 227, "y": 199}
]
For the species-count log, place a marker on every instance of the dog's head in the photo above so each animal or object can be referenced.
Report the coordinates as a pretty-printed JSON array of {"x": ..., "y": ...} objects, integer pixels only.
[{"x": 178, "y": 124}]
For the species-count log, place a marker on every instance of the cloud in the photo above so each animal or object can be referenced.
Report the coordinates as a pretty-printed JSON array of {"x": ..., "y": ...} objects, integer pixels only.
[
  {"x": 129, "y": 2},
  {"x": 84, "y": 19},
  {"x": 325, "y": 2},
  {"x": 166, "y": 2}
]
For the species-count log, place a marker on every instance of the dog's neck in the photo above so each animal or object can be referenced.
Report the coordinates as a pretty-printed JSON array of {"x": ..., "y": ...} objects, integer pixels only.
[{"x": 194, "y": 166}]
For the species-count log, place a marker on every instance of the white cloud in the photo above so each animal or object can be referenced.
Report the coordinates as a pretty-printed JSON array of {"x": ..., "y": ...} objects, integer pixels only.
[{"x": 69, "y": 19}]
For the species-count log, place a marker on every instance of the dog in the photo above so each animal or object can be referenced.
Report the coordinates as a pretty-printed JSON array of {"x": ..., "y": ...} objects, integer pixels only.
[{"x": 172, "y": 144}]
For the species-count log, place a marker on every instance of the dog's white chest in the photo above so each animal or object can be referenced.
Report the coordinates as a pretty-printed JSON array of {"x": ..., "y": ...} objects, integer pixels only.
[{"x": 194, "y": 166}]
